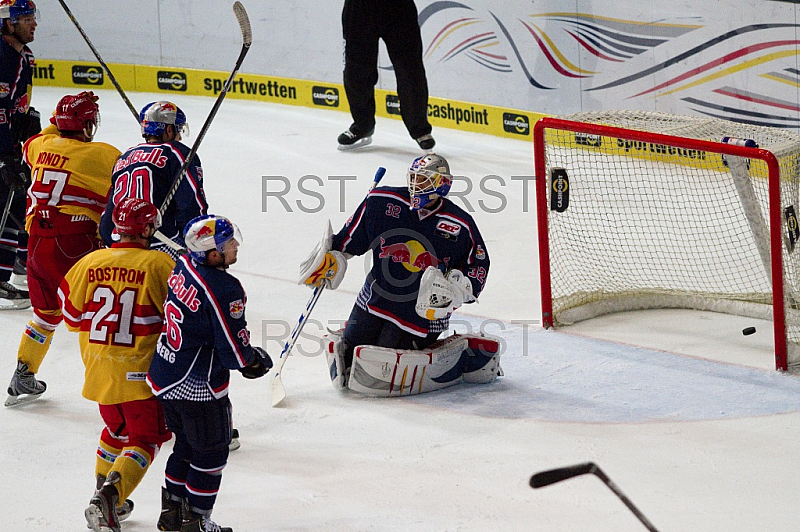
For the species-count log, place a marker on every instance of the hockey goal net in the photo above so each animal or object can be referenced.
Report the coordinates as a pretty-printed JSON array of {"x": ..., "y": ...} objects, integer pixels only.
[{"x": 643, "y": 210}]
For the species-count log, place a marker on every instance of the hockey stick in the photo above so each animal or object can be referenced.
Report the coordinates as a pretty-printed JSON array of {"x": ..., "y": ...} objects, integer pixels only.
[
  {"x": 545, "y": 478},
  {"x": 6, "y": 211},
  {"x": 276, "y": 388},
  {"x": 247, "y": 39},
  {"x": 100, "y": 60}
]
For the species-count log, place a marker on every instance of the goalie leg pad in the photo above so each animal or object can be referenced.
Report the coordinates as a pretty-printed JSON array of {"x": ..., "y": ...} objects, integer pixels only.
[
  {"x": 387, "y": 372},
  {"x": 334, "y": 352},
  {"x": 481, "y": 361}
]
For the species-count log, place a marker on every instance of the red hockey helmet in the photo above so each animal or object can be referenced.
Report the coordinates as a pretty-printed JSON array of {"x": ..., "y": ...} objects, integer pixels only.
[
  {"x": 77, "y": 113},
  {"x": 132, "y": 215}
]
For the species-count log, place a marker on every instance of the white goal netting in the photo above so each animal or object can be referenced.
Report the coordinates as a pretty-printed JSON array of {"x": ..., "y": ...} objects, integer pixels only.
[{"x": 637, "y": 221}]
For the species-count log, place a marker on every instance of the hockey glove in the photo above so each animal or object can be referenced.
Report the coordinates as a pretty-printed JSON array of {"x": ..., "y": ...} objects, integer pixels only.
[
  {"x": 12, "y": 173},
  {"x": 24, "y": 126},
  {"x": 259, "y": 366}
]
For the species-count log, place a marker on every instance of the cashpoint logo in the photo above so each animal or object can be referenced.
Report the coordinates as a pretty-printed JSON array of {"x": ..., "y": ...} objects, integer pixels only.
[
  {"x": 516, "y": 123},
  {"x": 87, "y": 75},
  {"x": 393, "y": 104},
  {"x": 325, "y": 96},
  {"x": 171, "y": 80}
]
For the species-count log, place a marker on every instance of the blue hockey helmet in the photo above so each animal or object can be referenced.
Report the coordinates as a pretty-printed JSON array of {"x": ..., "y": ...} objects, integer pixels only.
[
  {"x": 156, "y": 116},
  {"x": 209, "y": 232},
  {"x": 13, "y": 9},
  {"x": 428, "y": 179}
]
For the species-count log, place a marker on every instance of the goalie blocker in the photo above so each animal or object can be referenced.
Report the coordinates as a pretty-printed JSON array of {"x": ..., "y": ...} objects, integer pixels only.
[{"x": 387, "y": 372}]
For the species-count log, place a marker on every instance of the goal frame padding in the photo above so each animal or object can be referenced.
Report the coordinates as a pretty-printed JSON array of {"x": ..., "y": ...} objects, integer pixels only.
[{"x": 774, "y": 193}]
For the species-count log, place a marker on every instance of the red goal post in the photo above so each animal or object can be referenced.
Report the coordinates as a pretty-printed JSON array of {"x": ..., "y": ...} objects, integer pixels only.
[{"x": 639, "y": 210}]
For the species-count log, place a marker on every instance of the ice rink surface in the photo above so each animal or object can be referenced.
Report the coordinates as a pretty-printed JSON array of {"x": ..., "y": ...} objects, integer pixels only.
[{"x": 681, "y": 411}]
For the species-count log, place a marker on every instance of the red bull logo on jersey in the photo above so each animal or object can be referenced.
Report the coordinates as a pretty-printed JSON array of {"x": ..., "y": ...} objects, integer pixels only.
[
  {"x": 236, "y": 309},
  {"x": 411, "y": 254}
]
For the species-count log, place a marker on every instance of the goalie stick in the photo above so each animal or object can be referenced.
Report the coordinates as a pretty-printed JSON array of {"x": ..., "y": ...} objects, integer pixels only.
[
  {"x": 276, "y": 389},
  {"x": 100, "y": 60},
  {"x": 551, "y": 476}
]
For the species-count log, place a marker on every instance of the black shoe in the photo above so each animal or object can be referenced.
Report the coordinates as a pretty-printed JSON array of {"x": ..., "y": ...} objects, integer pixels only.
[
  {"x": 353, "y": 138},
  {"x": 426, "y": 142}
]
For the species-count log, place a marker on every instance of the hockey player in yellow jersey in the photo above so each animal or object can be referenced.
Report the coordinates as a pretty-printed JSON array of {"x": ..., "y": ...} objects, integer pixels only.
[
  {"x": 114, "y": 298},
  {"x": 71, "y": 178}
]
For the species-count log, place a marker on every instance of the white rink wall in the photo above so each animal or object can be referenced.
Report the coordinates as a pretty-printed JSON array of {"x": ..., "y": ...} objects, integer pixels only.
[{"x": 691, "y": 57}]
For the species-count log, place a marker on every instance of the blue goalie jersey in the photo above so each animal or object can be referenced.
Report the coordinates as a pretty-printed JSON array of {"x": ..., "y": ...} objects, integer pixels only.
[
  {"x": 204, "y": 337},
  {"x": 403, "y": 244},
  {"x": 147, "y": 171}
]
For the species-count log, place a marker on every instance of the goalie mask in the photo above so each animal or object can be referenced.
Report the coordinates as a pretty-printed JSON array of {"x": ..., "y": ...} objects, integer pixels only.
[
  {"x": 156, "y": 116},
  {"x": 428, "y": 179},
  {"x": 209, "y": 232}
]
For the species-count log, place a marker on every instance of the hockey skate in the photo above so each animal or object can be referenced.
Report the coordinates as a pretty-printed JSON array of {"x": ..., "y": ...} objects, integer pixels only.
[
  {"x": 352, "y": 138},
  {"x": 426, "y": 142},
  {"x": 24, "y": 387},
  {"x": 171, "y": 518},
  {"x": 19, "y": 277},
  {"x": 124, "y": 510},
  {"x": 235, "y": 444},
  {"x": 13, "y": 298},
  {"x": 101, "y": 515},
  {"x": 199, "y": 523}
]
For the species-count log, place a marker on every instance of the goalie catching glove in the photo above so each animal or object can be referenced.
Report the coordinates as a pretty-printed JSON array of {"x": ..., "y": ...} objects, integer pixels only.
[
  {"x": 439, "y": 296},
  {"x": 324, "y": 265}
]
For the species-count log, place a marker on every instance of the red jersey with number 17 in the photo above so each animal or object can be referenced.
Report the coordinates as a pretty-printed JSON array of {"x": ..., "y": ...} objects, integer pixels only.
[
  {"x": 114, "y": 298},
  {"x": 70, "y": 175}
]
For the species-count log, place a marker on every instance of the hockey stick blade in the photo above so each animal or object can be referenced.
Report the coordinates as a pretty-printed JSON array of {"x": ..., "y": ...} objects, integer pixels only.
[
  {"x": 244, "y": 23},
  {"x": 276, "y": 388},
  {"x": 545, "y": 478},
  {"x": 247, "y": 39}
]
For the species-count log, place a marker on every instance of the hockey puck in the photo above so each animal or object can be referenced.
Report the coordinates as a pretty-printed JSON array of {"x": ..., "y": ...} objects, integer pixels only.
[{"x": 747, "y": 331}]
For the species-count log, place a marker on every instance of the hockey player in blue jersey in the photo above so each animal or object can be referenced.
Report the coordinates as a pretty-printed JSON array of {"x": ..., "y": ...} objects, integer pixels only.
[
  {"x": 205, "y": 336},
  {"x": 428, "y": 258},
  {"x": 18, "y": 122},
  {"x": 147, "y": 171}
]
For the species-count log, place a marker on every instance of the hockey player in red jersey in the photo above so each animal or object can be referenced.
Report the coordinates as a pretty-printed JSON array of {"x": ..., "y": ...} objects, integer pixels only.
[
  {"x": 428, "y": 258},
  {"x": 114, "y": 298},
  {"x": 71, "y": 178},
  {"x": 205, "y": 337}
]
